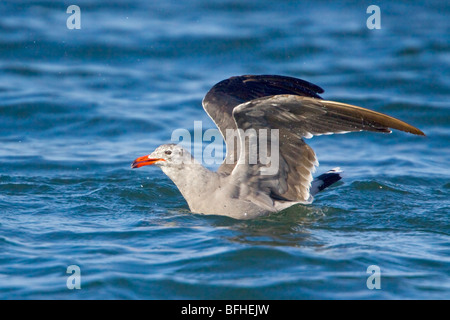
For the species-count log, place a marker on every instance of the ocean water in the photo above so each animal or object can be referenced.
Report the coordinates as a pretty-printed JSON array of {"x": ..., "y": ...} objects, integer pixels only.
[{"x": 77, "y": 106}]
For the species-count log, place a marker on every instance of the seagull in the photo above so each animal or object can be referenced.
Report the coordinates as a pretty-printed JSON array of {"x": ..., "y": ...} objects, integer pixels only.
[{"x": 282, "y": 110}]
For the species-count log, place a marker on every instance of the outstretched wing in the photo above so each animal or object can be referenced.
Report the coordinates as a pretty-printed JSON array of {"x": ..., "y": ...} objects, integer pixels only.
[
  {"x": 295, "y": 118},
  {"x": 223, "y": 97}
]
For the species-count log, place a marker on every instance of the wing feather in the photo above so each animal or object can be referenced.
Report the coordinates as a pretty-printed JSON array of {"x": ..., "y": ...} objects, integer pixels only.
[
  {"x": 296, "y": 117},
  {"x": 223, "y": 97}
]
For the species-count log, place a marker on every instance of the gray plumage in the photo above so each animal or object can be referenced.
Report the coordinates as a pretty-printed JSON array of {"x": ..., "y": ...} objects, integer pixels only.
[{"x": 290, "y": 107}]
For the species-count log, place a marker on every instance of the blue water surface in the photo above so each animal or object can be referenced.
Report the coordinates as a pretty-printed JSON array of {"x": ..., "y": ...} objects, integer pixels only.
[{"x": 77, "y": 106}]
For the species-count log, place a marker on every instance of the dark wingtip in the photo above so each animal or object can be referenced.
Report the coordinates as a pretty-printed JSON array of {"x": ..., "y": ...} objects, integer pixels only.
[
  {"x": 410, "y": 129},
  {"x": 420, "y": 133}
]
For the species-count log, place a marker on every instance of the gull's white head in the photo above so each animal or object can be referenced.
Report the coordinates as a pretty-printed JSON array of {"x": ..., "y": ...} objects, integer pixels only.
[{"x": 166, "y": 155}]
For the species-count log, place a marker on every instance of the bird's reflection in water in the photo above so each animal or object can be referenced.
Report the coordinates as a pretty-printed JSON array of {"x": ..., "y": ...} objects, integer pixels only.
[{"x": 290, "y": 227}]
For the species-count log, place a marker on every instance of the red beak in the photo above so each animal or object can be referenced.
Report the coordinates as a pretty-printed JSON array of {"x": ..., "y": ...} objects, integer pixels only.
[{"x": 144, "y": 161}]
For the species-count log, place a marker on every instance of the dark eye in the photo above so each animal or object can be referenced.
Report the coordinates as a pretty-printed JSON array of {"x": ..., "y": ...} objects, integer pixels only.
[{"x": 168, "y": 152}]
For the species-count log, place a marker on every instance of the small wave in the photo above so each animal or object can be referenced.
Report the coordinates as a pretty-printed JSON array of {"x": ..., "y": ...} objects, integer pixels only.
[{"x": 378, "y": 186}]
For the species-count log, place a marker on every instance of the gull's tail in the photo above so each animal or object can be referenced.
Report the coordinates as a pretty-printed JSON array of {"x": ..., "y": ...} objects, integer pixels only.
[{"x": 325, "y": 180}]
